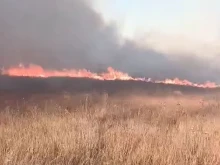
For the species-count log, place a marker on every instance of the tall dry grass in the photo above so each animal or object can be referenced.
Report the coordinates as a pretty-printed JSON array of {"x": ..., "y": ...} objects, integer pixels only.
[{"x": 95, "y": 130}]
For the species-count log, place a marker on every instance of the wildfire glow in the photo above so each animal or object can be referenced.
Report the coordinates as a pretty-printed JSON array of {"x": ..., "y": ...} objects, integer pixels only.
[{"x": 111, "y": 74}]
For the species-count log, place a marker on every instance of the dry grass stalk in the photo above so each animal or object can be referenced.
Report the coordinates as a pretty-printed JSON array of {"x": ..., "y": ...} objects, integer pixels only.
[{"x": 132, "y": 130}]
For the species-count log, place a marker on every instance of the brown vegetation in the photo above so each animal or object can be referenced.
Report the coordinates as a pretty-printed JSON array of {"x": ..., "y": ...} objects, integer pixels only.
[{"x": 98, "y": 129}]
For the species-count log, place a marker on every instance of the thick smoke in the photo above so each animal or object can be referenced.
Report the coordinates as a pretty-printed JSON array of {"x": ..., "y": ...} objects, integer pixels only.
[{"x": 70, "y": 34}]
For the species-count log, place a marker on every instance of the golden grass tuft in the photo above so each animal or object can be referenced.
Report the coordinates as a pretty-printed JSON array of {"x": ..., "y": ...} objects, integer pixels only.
[{"x": 95, "y": 130}]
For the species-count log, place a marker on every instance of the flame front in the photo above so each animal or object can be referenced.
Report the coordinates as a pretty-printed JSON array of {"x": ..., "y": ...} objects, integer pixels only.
[
  {"x": 37, "y": 71},
  {"x": 111, "y": 74}
]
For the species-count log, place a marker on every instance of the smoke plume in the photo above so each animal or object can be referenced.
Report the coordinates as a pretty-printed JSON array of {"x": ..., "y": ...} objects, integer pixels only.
[{"x": 70, "y": 34}]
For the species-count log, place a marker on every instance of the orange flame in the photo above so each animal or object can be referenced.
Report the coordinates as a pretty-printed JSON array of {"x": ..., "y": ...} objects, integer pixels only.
[{"x": 111, "y": 74}]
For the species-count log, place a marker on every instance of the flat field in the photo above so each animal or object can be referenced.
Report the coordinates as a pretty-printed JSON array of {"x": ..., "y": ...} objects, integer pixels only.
[{"x": 98, "y": 128}]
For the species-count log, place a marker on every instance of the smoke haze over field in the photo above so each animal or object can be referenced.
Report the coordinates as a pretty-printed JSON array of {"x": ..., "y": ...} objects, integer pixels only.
[{"x": 70, "y": 34}]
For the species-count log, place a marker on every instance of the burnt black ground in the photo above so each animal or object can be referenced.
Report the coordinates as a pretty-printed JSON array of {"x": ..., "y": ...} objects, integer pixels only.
[
  {"x": 78, "y": 85},
  {"x": 18, "y": 91}
]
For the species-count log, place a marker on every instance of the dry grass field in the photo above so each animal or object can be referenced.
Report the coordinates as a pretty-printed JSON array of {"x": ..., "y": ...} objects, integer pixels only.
[{"x": 98, "y": 129}]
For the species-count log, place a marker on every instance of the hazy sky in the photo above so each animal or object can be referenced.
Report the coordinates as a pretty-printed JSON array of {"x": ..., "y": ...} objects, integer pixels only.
[
  {"x": 191, "y": 17},
  {"x": 168, "y": 25}
]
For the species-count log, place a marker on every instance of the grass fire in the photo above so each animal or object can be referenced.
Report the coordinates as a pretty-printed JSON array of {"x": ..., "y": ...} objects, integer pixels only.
[
  {"x": 97, "y": 82},
  {"x": 111, "y": 74}
]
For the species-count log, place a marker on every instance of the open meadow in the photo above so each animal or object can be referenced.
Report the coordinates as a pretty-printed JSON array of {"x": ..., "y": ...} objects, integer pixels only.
[{"x": 96, "y": 128}]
